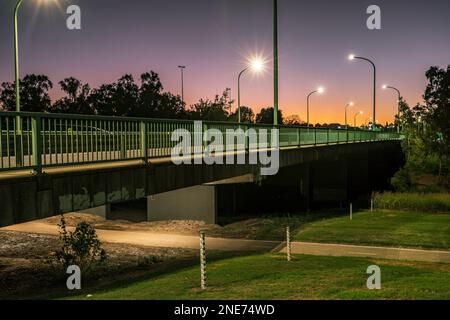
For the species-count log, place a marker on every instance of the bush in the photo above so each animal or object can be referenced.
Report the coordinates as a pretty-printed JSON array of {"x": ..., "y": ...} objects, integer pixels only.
[
  {"x": 81, "y": 247},
  {"x": 402, "y": 181},
  {"x": 426, "y": 202}
]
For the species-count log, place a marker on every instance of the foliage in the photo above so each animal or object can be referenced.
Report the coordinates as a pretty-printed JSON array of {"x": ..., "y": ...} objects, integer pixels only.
[
  {"x": 80, "y": 247},
  {"x": 34, "y": 95},
  {"x": 266, "y": 116},
  {"x": 212, "y": 110},
  {"x": 247, "y": 115},
  {"x": 427, "y": 131},
  {"x": 423, "y": 202}
]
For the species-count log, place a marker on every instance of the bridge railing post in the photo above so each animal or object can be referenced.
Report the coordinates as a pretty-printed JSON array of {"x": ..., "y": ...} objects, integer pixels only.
[
  {"x": 36, "y": 143},
  {"x": 144, "y": 144}
]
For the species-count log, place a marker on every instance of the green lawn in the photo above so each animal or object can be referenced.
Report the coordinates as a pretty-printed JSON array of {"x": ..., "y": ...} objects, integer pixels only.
[
  {"x": 383, "y": 228},
  {"x": 269, "y": 276}
]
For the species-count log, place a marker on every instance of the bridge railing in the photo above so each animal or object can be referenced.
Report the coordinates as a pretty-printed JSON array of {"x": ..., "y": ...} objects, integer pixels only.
[{"x": 37, "y": 140}]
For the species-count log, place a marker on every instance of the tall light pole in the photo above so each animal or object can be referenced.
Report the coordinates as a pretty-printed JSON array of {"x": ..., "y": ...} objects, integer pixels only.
[
  {"x": 182, "y": 82},
  {"x": 16, "y": 62},
  {"x": 353, "y": 57},
  {"x": 399, "y": 96},
  {"x": 275, "y": 62},
  {"x": 356, "y": 116},
  {"x": 319, "y": 90},
  {"x": 350, "y": 104},
  {"x": 256, "y": 65}
]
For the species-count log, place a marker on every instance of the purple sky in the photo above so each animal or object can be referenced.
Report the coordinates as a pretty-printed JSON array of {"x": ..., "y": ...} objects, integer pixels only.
[{"x": 213, "y": 38}]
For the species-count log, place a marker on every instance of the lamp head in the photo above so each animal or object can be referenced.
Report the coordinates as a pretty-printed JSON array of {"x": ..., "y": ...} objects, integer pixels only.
[
  {"x": 321, "y": 90},
  {"x": 257, "y": 65},
  {"x": 351, "y": 57},
  {"x": 351, "y": 104},
  {"x": 385, "y": 86}
]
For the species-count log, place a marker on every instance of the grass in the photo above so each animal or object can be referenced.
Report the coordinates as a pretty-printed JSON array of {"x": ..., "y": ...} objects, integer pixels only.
[
  {"x": 269, "y": 276},
  {"x": 424, "y": 202},
  {"x": 383, "y": 228}
]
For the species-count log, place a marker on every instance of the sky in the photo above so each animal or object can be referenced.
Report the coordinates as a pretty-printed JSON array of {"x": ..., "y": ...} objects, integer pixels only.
[{"x": 215, "y": 39}]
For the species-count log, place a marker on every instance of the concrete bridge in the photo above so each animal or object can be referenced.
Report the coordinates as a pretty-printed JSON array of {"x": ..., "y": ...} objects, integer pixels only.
[{"x": 52, "y": 164}]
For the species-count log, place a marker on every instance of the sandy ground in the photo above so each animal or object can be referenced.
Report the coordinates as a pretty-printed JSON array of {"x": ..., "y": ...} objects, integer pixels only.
[
  {"x": 241, "y": 230},
  {"x": 25, "y": 268}
]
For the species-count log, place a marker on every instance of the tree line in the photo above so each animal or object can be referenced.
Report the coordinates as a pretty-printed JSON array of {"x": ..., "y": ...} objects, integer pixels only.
[
  {"x": 426, "y": 127},
  {"x": 124, "y": 97}
]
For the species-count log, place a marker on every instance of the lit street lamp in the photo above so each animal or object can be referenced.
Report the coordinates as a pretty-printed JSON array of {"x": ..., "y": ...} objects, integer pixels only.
[
  {"x": 353, "y": 57},
  {"x": 385, "y": 87},
  {"x": 351, "y": 104},
  {"x": 356, "y": 116},
  {"x": 257, "y": 65},
  {"x": 320, "y": 90}
]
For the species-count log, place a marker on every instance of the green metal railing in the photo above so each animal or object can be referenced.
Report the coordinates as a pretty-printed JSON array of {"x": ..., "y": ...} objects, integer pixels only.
[{"x": 48, "y": 140}]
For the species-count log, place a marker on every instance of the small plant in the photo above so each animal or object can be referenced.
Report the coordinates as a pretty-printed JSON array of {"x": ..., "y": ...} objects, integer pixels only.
[{"x": 80, "y": 247}]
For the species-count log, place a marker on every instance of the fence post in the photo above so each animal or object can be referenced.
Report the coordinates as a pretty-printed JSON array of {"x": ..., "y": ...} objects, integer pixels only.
[
  {"x": 36, "y": 143},
  {"x": 351, "y": 211},
  {"x": 144, "y": 153},
  {"x": 288, "y": 243},
  {"x": 202, "y": 260},
  {"x": 371, "y": 202}
]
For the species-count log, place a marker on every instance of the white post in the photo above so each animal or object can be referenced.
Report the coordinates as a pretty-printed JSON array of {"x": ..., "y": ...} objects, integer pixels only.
[
  {"x": 202, "y": 260},
  {"x": 371, "y": 203},
  {"x": 351, "y": 211},
  {"x": 288, "y": 243}
]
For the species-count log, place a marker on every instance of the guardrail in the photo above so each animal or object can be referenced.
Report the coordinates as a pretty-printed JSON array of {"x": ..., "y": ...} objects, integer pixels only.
[{"x": 36, "y": 140}]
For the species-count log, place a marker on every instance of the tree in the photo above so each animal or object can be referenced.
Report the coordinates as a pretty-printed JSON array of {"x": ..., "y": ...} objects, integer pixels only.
[
  {"x": 76, "y": 100},
  {"x": 212, "y": 110},
  {"x": 156, "y": 104},
  {"x": 34, "y": 95},
  {"x": 266, "y": 116},
  {"x": 293, "y": 120},
  {"x": 247, "y": 115}
]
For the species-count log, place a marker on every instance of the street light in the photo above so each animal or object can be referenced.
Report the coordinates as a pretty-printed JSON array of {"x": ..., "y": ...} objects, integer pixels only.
[
  {"x": 319, "y": 90},
  {"x": 256, "y": 65},
  {"x": 356, "y": 115},
  {"x": 16, "y": 61},
  {"x": 353, "y": 57},
  {"x": 182, "y": 82},
  {"x": 350, "y": 104},
  {"x": 385, "y": 87}
]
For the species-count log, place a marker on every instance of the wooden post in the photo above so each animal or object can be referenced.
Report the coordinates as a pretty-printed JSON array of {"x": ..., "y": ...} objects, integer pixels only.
[
  {"x": 202, "y": 260},
  {"x": 288, "y": 243}
]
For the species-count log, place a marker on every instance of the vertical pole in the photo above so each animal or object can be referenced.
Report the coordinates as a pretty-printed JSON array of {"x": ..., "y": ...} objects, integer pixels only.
[
  {"x": 36, "y": 144},
  {"x": 374, "y": 126},
  {"x": 371, "y": 203},
  {"x": 288, "y": 243},
  {"x": 275, "y": 62},
  {"x": 351, "y": 211},
  {"x": 144, "y": 153},
  {"x": 182, "y": 84},
  {"x": 202, "y": 260}
]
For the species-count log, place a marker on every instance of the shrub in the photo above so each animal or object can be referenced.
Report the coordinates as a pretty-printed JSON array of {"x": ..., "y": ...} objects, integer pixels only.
[
  {"x": 80, "y": 247},
  {"x": 426, "y": 202}
]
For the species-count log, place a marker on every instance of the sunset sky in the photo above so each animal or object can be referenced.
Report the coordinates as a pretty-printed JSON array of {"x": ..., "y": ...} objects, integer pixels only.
[{"x": 214, "y": 38}]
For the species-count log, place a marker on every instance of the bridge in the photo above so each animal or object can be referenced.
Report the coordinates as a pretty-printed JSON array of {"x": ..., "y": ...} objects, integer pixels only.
[{"x": 56, "y": 163}]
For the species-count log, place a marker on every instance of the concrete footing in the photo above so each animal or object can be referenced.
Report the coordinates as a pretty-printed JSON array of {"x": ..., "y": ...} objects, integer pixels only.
[{"x": 194, "y": 203}]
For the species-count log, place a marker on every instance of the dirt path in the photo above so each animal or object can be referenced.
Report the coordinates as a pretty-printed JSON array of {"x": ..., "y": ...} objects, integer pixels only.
[
  {"x": 152, "y": 239},
  {"x": 342, "y": 250}
]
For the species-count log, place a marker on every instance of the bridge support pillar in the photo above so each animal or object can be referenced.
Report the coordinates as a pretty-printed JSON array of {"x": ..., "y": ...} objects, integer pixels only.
[
  {"x": 194, "y": 203},
  {"x": 101, "y": 211}
]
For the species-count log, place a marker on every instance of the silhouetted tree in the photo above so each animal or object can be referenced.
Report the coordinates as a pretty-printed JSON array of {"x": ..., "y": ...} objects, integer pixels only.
[
  {"x": 33, "y": 94},
  {"x": 266, "y": 116},
  {"x": 76, "y": 100},
  {"x": 247, "y": 115},
  {"x": 212, "y": 110}
]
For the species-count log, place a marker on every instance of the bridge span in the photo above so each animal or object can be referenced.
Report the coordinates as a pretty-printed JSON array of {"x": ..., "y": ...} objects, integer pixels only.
[{"x": 54, "y": 163}]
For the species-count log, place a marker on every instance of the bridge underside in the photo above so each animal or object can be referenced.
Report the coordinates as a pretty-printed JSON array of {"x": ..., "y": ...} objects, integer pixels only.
[{"x": 320, "y": 173}]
